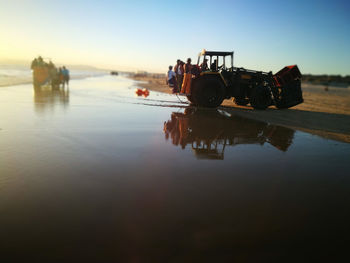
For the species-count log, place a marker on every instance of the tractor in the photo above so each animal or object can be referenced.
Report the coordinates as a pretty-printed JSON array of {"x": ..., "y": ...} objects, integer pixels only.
[
  {"x": 45, "y": 74},
  {"x": 211, "y": 85}
]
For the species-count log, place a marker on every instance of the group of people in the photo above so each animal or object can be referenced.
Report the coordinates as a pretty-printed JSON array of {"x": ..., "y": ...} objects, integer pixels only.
[
  {"x": 180, "y": 78},
  {"x": 177, "y": 78},
  {"x": 63, "y": 74},
  {"x": 56, "y": 76}
]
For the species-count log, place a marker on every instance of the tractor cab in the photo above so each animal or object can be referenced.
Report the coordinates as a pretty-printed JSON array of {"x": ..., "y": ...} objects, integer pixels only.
[{"x": 216, "y": 60}]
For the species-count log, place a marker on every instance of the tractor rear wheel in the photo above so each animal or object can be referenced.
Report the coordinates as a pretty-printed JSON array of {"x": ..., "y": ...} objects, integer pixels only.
[
  {"x": 260, "y": 97},
  {"x": 208, "y": 91}
]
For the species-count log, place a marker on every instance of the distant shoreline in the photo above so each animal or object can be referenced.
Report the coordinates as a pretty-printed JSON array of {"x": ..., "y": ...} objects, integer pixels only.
[{"x": 10, "y": 81}]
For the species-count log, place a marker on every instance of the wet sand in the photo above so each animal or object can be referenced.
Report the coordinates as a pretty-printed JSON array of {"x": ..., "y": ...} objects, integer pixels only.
[
  {"x": 326, "y": 114},
  {"x": 94, "y": 174},
  {"x": 14, "y": 80}
]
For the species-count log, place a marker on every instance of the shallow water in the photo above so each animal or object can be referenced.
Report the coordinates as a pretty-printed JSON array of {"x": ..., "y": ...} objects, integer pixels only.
[{"x": 93, "y": 173}]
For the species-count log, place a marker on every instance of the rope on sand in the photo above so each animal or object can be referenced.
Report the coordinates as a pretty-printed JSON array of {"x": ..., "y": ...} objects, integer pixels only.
[{"x": 180, "y": 99}]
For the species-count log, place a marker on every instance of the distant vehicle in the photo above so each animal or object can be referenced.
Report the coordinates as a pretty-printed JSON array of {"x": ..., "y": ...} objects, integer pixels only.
[
  {"x": 45, "y": 73},
  {"x": 261, "y": 89},
  {"x": 114, "y": 73}
]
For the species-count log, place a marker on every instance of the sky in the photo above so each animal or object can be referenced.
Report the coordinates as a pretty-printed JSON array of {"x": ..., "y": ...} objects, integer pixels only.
[{"x": 151, "y": 35}]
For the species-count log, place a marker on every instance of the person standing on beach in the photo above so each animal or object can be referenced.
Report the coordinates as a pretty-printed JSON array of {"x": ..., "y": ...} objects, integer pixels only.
[
  {"x": 186, "y": 85},
  {"x": 40, "y": 62},
  {"x": 65, "y": 73},
  {"x": 171, "y": 80},
  {"x": 188, "y": 66},
  {"x": 34, "y": 63},
  {"x": 52, "y": 73},
  {"x": 179, "y": 71}
]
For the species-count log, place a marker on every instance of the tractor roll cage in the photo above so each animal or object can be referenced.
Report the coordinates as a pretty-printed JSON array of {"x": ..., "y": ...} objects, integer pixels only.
[{"x": 216, "y": 54}]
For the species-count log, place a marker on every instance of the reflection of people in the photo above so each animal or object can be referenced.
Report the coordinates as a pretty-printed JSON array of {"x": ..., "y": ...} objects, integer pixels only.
[
  {"x": 171, "y": 79},
  {"x": 172, "y": 129}
]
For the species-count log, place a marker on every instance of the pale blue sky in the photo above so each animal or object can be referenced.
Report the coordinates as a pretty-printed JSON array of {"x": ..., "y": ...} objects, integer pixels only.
[{"x": 150, "y": 35}]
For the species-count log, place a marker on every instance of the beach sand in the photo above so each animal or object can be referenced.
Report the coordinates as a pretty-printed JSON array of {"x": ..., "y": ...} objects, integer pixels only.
[
  {"x": 93, "y": 173},
  {"x": 326, "y": 114}
]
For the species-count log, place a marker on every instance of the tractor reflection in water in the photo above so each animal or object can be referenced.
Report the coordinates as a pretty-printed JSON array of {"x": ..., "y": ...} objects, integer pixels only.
[{"x": 210, "y": 131}]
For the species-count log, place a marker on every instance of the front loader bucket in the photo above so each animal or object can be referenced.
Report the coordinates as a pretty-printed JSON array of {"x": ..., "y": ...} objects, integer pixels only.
[{"x": 287, "y": 87}]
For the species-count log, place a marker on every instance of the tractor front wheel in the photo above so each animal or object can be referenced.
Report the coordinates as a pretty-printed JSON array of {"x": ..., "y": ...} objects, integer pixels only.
[
  {"x": 260, "y": 97},
  {"x": 208, "y": 91}
]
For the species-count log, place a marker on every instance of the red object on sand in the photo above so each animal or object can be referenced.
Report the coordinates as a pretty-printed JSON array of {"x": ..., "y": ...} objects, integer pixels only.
[
  {"x": 145, "y": 92},
  {"x": 142, "y": 92}
]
